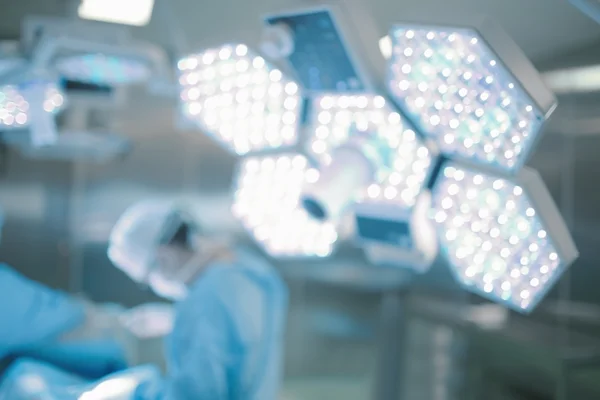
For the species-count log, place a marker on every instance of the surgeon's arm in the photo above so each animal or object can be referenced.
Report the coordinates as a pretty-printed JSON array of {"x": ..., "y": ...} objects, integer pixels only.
[
  {"x": 50, "y": 325},
  {"x": 33, "y": 314},
  {"x": 99, "y": 345}
]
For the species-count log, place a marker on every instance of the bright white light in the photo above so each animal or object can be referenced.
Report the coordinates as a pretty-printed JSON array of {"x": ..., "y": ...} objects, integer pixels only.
[
  {"x": 241, "y": 100},
  {"x": 495, "y": 241},
  {"x": 15, "y": 103},
  {"x": 131, "y": 12},
  {"x": 452, "y": 84},
  {"x": 386, "y": 47},
  {"x": 103, "y": 69},
  {"x": 401, "y": 161},
  {"x": 149, "y": 320},
  {"x": 267, "y": 202},
  {"x": 117, "y": 387}
]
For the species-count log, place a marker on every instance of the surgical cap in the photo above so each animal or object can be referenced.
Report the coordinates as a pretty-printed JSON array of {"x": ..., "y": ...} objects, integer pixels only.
[{"x": 137, "y": 235}]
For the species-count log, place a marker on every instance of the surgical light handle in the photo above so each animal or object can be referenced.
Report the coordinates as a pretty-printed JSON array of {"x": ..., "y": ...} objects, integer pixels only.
[{"x": 338, "y": 184}]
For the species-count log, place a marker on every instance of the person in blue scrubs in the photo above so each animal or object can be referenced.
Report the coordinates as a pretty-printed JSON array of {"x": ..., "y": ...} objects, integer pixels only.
[
  {"x": 230, "y": 310},
  {"x": 231, "y": 305},
  {"x": 44, "y": 323}
]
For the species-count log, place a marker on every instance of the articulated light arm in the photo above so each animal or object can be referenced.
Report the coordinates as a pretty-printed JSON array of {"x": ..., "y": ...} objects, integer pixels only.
[{"x": 51, "y": 47}]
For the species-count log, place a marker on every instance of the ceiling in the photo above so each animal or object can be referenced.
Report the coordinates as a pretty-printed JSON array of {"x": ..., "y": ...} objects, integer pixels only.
[
  {"x": 545, "y": 29},
  {"x": 551, "y": 32}
]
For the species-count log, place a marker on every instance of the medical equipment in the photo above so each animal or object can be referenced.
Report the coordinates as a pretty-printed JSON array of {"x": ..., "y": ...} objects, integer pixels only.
[
  {"x": 471, "y": 89},
  {"x": 504, "y": 237},
  {"x": 324, "y": 49},
  {"x": 240, "y": 99},
  {"x": 92, "y": 52},
  {"x": 374, "y": 165},
  {"x": 30, "y": 102},
  {"x": 267, "y": 201}
]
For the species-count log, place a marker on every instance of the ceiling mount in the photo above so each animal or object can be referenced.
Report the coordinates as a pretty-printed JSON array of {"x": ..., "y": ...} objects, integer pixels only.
[{"x": 591, "y": 8}]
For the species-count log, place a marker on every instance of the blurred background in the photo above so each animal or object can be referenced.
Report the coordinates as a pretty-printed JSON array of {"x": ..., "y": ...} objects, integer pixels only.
[{"x": 352, "y": 328}]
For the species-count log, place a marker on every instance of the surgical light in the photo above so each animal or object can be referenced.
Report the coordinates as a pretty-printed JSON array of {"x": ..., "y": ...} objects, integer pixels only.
[
  {"x": 324, "y": 48},
  {"x": 471, "y": 89},
  {"x": 503, "y": 238},
  {"x": 365, "y": 149},
  {"x": 32, "y": 105},
  {"x": 99, "y": 68},
  {"x": 238, "y": 98},
  {"x": 373, "y": 164},
  {"x": 16, "y": 108},
  {"x": 92, "y": 53},
  {"x": 267, "y": 201}
]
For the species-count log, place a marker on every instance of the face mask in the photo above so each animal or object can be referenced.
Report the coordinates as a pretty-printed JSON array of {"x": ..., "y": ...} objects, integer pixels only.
[{"x": 176, "y": 268}]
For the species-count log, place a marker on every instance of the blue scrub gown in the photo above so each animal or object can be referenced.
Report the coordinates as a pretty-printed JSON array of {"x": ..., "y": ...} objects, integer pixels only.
[{"x": 228, "y": 335}]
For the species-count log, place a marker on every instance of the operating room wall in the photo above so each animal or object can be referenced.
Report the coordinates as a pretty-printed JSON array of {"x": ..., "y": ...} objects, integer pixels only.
[{"x": 35, "y": 197}]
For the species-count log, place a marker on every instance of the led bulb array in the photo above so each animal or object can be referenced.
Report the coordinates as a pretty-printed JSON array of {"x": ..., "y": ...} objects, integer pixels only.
[
  {"x": 457, "y": 90},
  {"x": 493, "y": 237},
  {"x": 237, "y": 97},
  {"x": 400, "y": 157},
  {"x": 267, "y": 202}
]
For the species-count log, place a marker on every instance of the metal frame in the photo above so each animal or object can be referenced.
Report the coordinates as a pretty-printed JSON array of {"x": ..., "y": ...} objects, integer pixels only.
[
  {"x": 183, "y": 123},
  {"x": 573, "y": 358},
  {"x": 36, "y": 27},
  {"x": 415, "y": 257},
  {"x": 361, "y": 44},
  {"x": 46, "y": 38},
  {"x": 540, "y": 197}
]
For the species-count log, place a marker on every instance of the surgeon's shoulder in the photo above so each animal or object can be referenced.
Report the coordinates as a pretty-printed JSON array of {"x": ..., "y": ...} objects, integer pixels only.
[
  {"x": 5, "y": 269},
  {"x": 245, "y": 269},
  {"x": 8, "y": 276},
  {"x": 261, "y": 271}
]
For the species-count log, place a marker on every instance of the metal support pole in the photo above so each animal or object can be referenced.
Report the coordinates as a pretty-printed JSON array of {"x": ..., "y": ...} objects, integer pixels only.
[
  {"x": 567, "y": 206},
  {"x": 391, "y": 342}
]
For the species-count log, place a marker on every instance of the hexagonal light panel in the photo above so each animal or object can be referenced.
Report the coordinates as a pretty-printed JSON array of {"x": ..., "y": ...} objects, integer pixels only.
[
  {"x": 16, "y": 110},
  {"x": 239, "y": 99},
  {"x": 471, "y": 89},
  {"x": 504, "y": 239},
  {"x": 366, "y": 149},
  {"x": 267, "y": 200}
]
